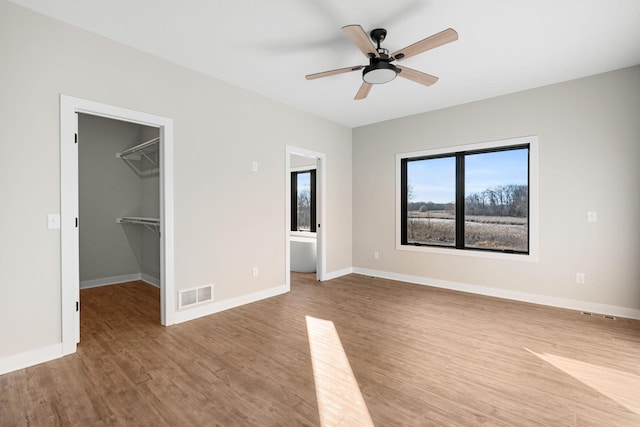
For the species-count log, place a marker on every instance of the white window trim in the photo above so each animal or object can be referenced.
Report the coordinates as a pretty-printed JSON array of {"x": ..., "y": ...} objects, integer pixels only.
[
  {"x": 303, "y": 168},
  {"x": 533, "y": 200}
]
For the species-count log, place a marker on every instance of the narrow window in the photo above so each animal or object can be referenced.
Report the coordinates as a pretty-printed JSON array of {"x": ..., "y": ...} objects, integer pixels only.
[{"x": 303, "y": 200}]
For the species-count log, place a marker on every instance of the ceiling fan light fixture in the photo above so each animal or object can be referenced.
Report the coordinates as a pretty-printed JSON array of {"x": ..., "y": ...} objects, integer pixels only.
[{"x": 382, "y": 72}]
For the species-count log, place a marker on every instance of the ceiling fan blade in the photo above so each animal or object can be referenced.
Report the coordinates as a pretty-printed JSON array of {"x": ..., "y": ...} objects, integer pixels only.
[
  {"x": 443, "y": 37},
  {"x": 417, "y": 76},
  {"x": 333, "y": 72},
  {"x": 361, "y": 39},
  {"x": 363, "y": 91}
]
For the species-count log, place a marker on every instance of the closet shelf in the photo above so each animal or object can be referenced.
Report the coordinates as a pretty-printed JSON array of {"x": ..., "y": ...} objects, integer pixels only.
[
  {"x": 152, "y": 224},
  {"x": 138, "y": 147},
  {"x": 136, "y": 154}
]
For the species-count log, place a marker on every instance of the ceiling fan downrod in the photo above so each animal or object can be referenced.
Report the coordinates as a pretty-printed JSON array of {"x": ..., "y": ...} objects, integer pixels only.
[{"x": 378, "y": 35}]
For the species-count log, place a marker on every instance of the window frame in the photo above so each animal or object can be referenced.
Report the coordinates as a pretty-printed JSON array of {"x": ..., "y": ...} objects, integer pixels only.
[
  {"x": 294, "y": 199},
  {"x": 458, "y": 248}
]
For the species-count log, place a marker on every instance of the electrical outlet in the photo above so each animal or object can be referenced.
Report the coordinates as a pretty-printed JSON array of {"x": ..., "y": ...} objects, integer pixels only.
[
  {"x": 580, "y": 278},
  {"x": 255, "y": 271},
  {"x": 376, "y": 255}
]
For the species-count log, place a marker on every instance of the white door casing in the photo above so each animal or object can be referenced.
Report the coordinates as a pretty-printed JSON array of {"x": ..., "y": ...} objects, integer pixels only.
[
  {"x": 321, "y": 205},
  {"x": 69, "y": 235}
]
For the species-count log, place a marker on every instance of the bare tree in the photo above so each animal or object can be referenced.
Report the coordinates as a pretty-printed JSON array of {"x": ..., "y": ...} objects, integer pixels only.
[
  {"x": 304, "y": 210},
  {"x": 410, "y": 196},
  {"x": 506, "y": 200}
]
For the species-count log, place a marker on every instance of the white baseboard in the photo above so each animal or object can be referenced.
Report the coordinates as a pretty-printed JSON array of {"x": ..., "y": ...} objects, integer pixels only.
[
  {"x": 215, "y": 307},
  {"x": 105, "y": 281},
  {"x": 335, "y": 274},
  {"x": 592, "y": 307},
  {"x": 150, "y": 280},
  {"x": 30, "y": 358}
]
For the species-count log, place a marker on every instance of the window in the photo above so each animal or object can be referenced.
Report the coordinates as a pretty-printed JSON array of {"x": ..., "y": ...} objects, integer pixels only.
[
  {"x": 303, "y": 200},
  {"x": 476, "y": 198}
]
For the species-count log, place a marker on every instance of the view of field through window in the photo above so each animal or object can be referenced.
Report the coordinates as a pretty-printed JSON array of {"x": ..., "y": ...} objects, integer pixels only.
[
  {"x": 496, "y": 200},
  {"x": 304, "y": 201}
]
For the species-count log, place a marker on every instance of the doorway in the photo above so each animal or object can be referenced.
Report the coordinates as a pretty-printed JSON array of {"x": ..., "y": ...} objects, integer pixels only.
[
  {"x": 119, "y": 207},
  {"x": 309, "y": 240},
  {"x": 70, "y": 109}
]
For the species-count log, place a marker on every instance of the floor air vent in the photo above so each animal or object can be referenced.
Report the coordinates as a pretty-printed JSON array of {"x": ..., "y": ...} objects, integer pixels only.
[
  {"x": 605, "y": 316},
  {"x": 189, "y": 297}
]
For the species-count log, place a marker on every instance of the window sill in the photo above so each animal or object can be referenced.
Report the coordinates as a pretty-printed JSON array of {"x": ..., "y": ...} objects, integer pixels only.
[
  {"x": 302, "y": 234},
  {"x": 531, "y": 257}
]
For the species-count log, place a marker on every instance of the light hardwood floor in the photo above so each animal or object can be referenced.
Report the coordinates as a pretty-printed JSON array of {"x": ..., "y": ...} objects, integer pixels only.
[{"x": 420, "y": 356}]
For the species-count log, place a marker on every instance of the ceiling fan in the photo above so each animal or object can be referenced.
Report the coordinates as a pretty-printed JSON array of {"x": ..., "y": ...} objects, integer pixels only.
[{"x": 381, "y": 68}]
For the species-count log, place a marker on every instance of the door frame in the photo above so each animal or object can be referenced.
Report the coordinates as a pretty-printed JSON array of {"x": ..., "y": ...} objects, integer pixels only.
[
  {"x": 69, "y": 211},
  {"x": 321, "y": 210}
]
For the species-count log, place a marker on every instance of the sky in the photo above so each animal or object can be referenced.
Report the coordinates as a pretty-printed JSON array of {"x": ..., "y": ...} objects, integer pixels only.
[
  {"x": 304, "y": 182},
  {"x": 434, "y": 180}
]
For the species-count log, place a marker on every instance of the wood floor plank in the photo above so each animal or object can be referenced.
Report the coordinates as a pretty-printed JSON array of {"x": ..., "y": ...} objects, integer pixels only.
[{"x": 420, "y": 356}]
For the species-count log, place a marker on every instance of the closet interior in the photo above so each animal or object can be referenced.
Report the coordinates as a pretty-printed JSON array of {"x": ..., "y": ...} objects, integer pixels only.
[{"x": 119, "y": 201}]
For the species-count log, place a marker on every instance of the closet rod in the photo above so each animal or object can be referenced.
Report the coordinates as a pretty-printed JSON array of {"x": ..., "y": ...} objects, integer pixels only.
[
  {"x": 139, "y": 147},
  {"x": 152, "y": 224}
]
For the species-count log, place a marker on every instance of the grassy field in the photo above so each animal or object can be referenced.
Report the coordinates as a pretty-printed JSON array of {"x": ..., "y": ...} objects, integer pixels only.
[
  {"x": 510, "y": 220},
  {"x": 509, "y": 233}
]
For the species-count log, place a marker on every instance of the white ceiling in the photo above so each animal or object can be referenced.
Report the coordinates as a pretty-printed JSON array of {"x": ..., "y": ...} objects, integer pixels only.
[{"x": 268, "y": 47}]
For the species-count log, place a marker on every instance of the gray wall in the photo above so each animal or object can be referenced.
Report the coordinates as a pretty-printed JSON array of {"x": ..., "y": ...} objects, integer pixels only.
[
  {"x": 109, "y": 188},
  {"x": 228, "y": 219},
  {"x": 589, "y": 133}
]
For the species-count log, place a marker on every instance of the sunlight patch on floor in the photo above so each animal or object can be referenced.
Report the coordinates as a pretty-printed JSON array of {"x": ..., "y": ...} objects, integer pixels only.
[
  {"x": 622, "y": 387},
  {"x": 340, "y": 401}
]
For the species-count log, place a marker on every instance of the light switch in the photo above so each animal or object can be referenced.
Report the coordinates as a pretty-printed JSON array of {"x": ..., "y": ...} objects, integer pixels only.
[
  {"x": 254, "y": 166},
  {"x": 53, "y": 221},
  {"x": 592, "y": 216}
]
